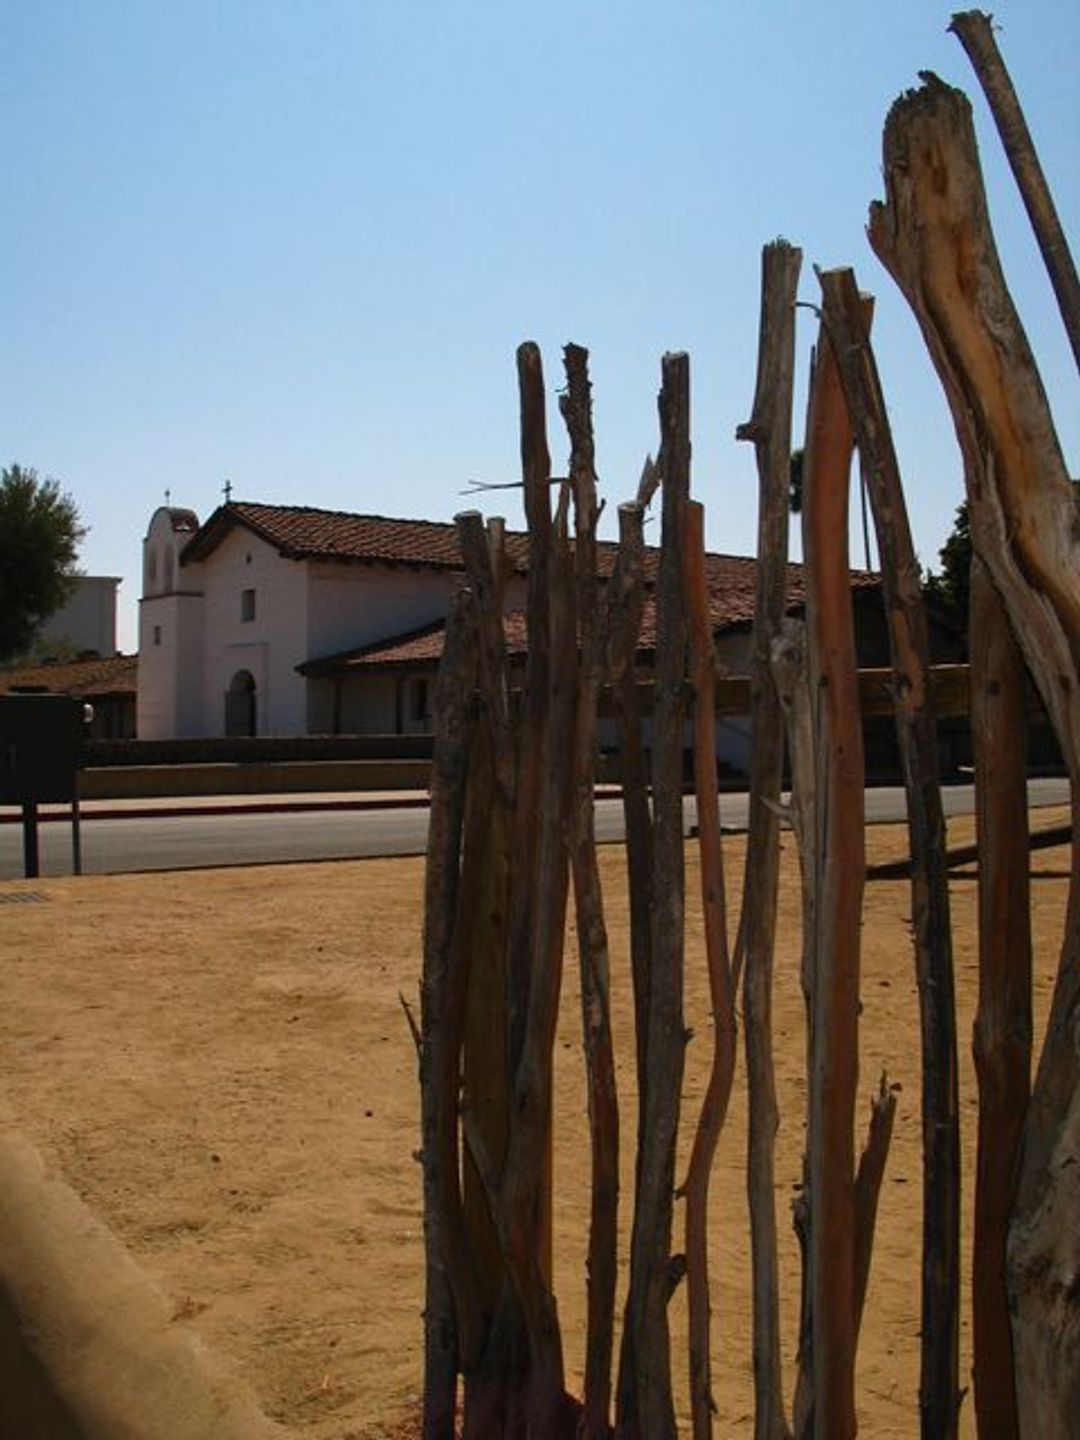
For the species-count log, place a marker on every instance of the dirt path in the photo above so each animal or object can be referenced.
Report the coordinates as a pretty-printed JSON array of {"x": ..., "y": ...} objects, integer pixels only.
[{"x": 219, "y": 1063}]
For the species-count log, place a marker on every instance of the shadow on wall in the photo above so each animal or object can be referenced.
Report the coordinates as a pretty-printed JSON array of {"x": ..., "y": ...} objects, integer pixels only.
[{"x": 29, "y": 1407}]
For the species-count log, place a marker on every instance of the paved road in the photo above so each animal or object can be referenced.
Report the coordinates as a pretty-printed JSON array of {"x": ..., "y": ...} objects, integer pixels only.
[{"x": 273, "y": 830}]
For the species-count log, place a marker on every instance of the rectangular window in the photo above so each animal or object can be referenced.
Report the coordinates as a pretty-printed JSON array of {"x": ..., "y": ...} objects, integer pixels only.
[
  {"x": 247, "y": 604},
  {"x": 157, "y": 634}
]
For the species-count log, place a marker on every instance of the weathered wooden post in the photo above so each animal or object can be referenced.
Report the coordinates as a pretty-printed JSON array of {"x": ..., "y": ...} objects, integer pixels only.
[
  {"x": 769, "y": 428},
  {"x": 602, "y": 1263},
  {"x": 718, "y": 962},
  {"x": 645, "y": 1401},
  {"x": 448, "y": 1273},
  {"x": 845, "y": 318},
  {"x": 840, "y": 865},
  {"x": 1001, "y": 1039}
]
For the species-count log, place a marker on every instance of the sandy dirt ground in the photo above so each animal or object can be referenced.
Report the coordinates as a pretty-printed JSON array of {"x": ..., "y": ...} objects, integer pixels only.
[{"x": 219, "y": 1063}]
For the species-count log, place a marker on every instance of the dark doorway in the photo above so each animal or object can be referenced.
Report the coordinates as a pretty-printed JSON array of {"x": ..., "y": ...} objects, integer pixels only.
[{"x": 240, "y": 704}]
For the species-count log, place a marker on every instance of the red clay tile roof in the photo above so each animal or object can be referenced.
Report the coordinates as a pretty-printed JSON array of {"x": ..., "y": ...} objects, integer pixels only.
[
  {"x": 114, "y": 675},
  {"x": 301, "y": 533},
  {"x": 414, "y": 648}
]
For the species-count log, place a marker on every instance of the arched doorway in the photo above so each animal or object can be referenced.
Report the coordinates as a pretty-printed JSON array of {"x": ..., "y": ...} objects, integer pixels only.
[{"x": 240, "y": 704}]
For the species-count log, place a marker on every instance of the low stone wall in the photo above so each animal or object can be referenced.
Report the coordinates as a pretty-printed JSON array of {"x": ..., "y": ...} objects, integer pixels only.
[
  {"x": 89, "y": 1349},
  {"x": 133, "y": 782},
  {"x": 252, "y": 750}
]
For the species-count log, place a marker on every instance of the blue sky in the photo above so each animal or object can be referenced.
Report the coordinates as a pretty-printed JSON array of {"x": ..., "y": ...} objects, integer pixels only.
[{"x": 295, "y": 243}]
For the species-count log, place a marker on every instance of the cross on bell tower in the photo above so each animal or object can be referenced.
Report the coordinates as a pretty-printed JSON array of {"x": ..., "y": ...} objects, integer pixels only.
[{"x": 226, "y": 490}]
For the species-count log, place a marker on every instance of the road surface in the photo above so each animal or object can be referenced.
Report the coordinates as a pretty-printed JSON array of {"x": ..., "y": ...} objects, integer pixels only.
[{"x": 265, "y": 830}]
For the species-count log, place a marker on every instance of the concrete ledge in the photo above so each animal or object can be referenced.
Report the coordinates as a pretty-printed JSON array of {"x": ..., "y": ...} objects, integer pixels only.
[
  {"x": 88, "y": 1347},
  {"x": 257, "y": 778}
]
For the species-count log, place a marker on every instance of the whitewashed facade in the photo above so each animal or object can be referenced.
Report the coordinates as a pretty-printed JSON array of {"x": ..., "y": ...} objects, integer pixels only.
[
  {"x": 220, "y": 638},
  {"x": 287, "y": 620}
]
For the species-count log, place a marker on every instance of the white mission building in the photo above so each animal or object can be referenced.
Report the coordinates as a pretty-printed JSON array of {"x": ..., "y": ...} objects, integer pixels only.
[
  {"x": 286, "y": 620},
  {"x": 231, "y": 608}
]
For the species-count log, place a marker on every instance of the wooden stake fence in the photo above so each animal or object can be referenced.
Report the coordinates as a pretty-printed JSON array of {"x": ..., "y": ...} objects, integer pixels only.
[
  {"x": 512, "y": 826},
  {"x": 933, "y": 226}
]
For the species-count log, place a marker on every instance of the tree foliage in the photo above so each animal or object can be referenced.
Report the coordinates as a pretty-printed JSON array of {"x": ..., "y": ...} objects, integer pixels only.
[
  {"x": 948, "y": 589},
  {"x": 40, "y": 535}
]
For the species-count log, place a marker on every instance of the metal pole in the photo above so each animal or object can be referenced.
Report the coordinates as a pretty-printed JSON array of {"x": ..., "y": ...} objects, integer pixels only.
[
  {"x": 31, "y": 868},
  {"x": 76, "y": 835}
]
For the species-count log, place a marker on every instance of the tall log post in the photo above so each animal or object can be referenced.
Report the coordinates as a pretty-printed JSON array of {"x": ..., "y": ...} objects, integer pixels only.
[
  {"x": 840, "y": 846},
  {"x": 1001, "y": 1040},
  {"x": 789, "y": 668},
  {"x": 933, "y": 235},
  {"x": 447, "y": 1269},
  {"x": 718, "y": 961},
  {"x": 646, "y": 1404},
  {"x": 536, "y": 481},
  {"x": 624, "y": 611},
  {"x": 482, "y": 939},
  {"x": 769, "y": 428},
  {"x": 602, "y": 1263},
  {"x": 975, "y": 32},
  {"x": 538, "y": 908},
  {"x": 846, "y": 318},
  {"x": 522, "y": 1370}
]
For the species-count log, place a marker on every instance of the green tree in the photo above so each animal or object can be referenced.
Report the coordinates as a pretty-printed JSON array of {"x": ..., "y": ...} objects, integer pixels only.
[
  {"x": 40, "y": 535},
  {"x": 949, "y": 588}
]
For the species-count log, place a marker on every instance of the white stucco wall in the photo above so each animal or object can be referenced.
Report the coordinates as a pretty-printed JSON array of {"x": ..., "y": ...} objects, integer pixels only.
[
  {"x": 170, "y": 637},
  {"x": 170, "y": 667},
  {"x": 352, "y": 605},
  {"x": 303, "y": 610},
  {"x": 269, "y": 646}
]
